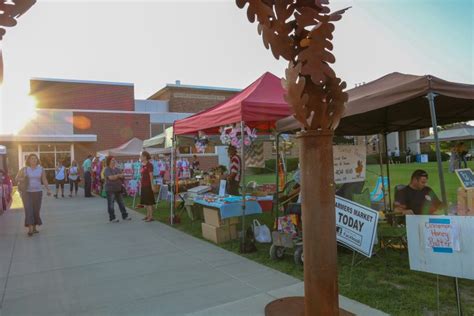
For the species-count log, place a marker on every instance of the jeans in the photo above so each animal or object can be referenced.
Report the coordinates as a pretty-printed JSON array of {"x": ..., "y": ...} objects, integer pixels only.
[
  {"x": 73, "y": 185},
  {"x": 87, "y": 184},
  {"x": 111, "y": 198}
]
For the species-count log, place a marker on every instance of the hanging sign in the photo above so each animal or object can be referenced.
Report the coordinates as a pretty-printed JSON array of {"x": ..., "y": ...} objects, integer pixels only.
[
  {"x": 356, "y": 226},
  {"x": 349, "y": 163}
]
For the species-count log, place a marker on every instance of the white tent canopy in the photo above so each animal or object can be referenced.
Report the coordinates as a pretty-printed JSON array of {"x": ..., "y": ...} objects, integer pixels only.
[
  {"x": 165, "y": 138},
  {"x": 460, "y": 133},
  {"x": 131, "y": 148}
]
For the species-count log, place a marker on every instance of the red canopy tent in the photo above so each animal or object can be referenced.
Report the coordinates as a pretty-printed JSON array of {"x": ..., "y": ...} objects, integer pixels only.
[{"x": 259, "y": 105}]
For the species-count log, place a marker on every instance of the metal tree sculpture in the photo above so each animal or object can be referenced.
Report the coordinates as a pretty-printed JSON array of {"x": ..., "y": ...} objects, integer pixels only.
[
  {"x": 10, "y": 11},
  {"x": 300, "y": 31}
]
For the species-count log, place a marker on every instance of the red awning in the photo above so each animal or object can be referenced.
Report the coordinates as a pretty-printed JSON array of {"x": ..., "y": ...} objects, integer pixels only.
[{"x": 259, "y": 105}]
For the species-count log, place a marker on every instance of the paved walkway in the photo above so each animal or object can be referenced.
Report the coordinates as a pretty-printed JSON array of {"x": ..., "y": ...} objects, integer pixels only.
[{"x": 79, "y": 264}]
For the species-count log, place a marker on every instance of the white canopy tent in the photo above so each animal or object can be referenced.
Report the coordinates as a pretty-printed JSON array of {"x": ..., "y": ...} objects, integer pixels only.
[
  {"x": 453, "y": 134},
  {"x": 131, "y": 148}
]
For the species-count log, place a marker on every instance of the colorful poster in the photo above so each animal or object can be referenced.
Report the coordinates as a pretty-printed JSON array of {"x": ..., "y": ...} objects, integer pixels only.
[{"x": 349, "y": 163}]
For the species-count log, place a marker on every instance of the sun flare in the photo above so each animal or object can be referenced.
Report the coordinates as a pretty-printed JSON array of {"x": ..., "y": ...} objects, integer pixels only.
[{"x": 16, "y": 112}]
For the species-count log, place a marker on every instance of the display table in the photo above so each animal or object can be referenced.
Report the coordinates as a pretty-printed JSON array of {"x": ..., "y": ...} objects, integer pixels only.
[{"x": 230, "y": 206}]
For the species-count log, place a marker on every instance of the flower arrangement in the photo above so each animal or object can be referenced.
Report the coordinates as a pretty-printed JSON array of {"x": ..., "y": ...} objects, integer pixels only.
[{"x": 231, "y": 136}]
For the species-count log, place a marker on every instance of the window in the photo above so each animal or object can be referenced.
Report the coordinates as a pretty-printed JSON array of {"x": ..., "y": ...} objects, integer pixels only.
[{"x": 49, "y": 155}]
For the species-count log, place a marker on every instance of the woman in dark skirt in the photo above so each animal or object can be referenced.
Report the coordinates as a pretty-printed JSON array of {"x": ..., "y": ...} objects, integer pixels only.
[{"x": 147, "y": 196}]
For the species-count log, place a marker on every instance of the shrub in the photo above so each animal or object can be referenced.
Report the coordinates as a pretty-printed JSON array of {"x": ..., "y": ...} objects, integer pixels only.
[
  {"x": 291, "y": 164},
  {"x": 432, "y": 156}
]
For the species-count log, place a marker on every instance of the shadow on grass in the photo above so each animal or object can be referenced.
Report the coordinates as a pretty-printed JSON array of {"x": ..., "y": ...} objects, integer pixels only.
[{"x": 384, "y": 282}]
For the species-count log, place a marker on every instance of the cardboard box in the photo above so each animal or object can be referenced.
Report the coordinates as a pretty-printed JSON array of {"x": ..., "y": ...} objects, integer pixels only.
[
  {"x": 215, "y": 234},
  {"x": 212, "y": 217}
]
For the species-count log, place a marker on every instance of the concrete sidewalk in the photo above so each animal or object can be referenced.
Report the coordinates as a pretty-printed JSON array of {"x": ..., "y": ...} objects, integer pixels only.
[{"x": 79, "y": 264}]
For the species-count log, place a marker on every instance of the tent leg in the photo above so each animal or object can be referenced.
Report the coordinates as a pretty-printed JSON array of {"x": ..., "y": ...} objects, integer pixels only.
[
  {"x": 388, "y": 173},
  {"x": 242, "y": 174},
  {"x": 381, "y": 174},
  {"x": 277, "y": 172},
  {"x": 434, "y": 124},
  {"x": 172, "y": 180}
]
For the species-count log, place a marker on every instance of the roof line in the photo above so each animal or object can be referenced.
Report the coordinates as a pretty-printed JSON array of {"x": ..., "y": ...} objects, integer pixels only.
[
  {"x": 195, "y": 87},
  {"x": 83, "y": 81},
  {"x": 107, "y": 111}
]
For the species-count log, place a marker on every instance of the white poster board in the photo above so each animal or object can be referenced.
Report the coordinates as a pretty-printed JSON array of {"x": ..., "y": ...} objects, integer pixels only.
[
  {"x": 441, "y": 244},
  {"x": 222, "y": 187},
  {"x": 356, "y": 225},
  {"x": 349, "y": 163}
]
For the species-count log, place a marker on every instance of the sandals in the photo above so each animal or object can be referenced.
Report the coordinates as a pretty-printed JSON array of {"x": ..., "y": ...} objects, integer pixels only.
[
  {"x": 35, "y": 232},
  {"x": 30, "y": 234},
  {"x": 149, "y": 220}
]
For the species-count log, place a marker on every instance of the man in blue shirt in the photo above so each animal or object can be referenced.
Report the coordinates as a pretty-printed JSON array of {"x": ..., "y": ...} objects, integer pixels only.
[{"x": 86, "y": 167}]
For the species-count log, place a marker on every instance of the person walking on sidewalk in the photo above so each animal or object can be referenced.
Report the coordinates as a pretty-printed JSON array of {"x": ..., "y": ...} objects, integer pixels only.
[
  {"x": 113, "y": 188},
  {"x": 87, "y": 167},
  {"x": 30, "y": 179},
  {"x": 147, "y": 196},
  {"x": 73, "y": 178},
  {"x": 60, "y": 178}
]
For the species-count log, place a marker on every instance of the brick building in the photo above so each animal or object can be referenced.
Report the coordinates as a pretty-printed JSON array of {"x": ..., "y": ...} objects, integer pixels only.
[
  {"x": 193, "y": 99},
  {"x": 75, "y": 118}
]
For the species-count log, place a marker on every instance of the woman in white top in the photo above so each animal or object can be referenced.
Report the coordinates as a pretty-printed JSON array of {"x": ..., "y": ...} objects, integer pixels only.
[
  {"x": 60, "y": 178},
  {"x": 33, "y": 174},
  {"x": 73, "y": 178}
]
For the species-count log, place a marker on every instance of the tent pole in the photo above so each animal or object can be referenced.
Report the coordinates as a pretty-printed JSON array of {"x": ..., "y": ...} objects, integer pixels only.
[
  {"x": 434, "y": 124},
  {"x": 172, "y": 180},
  {"x": 277, "y": 172},
  {"x": 431, "y": 96},
  {"x": 381, "y": 172},
  {"x": 388, "y": 173},
  {"x": 242, "y": 175}
]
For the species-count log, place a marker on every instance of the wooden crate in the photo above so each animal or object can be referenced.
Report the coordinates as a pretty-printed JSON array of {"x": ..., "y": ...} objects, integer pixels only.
[{"x": 465, "y": 200}]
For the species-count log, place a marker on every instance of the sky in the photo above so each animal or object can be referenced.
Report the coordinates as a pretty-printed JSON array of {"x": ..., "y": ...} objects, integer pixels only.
[{"x": 152, "y": 43}]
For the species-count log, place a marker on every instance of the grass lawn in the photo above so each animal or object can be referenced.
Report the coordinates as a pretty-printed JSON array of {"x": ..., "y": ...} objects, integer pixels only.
[{"x": 385, "y": 281}]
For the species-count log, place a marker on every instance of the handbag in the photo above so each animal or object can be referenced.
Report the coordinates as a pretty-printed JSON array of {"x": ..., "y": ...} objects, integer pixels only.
[
  {"x": 23, "y": 181},
  {"x": 261, "y": 232}
]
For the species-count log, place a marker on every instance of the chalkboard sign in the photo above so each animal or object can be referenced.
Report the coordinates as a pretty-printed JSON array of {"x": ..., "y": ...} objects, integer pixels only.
[{"x": 467, "y": 177}]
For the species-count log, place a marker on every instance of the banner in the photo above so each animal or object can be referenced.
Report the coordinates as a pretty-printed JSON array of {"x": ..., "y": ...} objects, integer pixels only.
[
  {"x": 349, "y": 163},
  {"x": 356, "y": 226}
]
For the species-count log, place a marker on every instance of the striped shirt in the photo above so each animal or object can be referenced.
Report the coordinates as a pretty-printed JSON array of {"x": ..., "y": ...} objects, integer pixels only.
[{"x": 235, "y": 167}]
